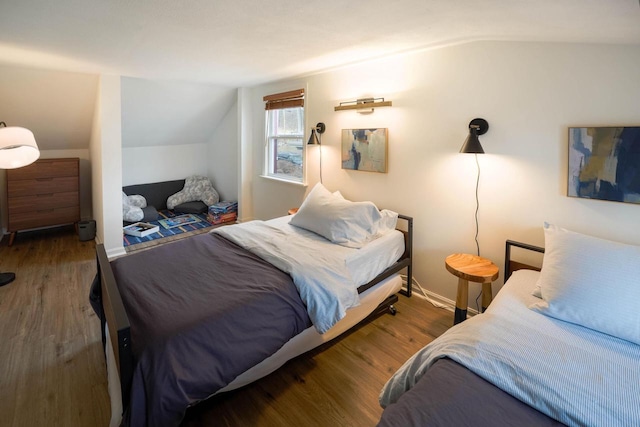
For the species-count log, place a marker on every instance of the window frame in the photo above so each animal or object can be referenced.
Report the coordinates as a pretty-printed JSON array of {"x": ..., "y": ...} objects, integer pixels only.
[{"x": 274, "y": 104}]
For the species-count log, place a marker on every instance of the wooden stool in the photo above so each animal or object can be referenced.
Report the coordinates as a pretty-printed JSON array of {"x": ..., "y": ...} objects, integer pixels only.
[{"x": 475, "y": 269}]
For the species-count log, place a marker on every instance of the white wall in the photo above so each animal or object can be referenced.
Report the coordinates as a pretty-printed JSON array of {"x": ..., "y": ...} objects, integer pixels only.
[
  {"x": 144, "y": 165},
  {"x": 57, "y": 106},
  {"x": 246, "y": 144},
  {"x": 106, "y": 157},
  {"x": 161, "y": 112},
  {"x": 223, "y": 156},
  {"x": 530, "y": 93},
  {"x": 95, "y": 153}
]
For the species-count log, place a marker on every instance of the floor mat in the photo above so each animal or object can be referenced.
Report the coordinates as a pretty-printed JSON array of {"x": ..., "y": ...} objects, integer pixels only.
[{"x": 164, "y": 232}]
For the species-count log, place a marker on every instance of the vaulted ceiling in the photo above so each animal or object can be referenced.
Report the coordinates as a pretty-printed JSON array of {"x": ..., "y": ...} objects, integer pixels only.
[{"x": 247, "y": 42}]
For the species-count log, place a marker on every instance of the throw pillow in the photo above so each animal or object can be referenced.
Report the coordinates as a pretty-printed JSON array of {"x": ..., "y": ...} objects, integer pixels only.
[
  {"x": 130, "y": 212},
  {"x": 195, "y": 188},
  {"x": 591, "y": 282}
]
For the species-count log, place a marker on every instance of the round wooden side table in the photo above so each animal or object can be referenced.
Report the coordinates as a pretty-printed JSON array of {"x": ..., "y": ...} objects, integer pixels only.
[
  {"x": 292, "y": 211},
  {"x": 471, "y": 268}
]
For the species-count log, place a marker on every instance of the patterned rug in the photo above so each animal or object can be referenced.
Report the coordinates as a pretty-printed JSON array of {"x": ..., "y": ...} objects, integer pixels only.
[{"x": 164, "y": 232}]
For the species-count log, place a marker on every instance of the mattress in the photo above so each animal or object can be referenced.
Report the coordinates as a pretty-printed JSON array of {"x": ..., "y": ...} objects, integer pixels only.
[{"x": 363, "y": 264}]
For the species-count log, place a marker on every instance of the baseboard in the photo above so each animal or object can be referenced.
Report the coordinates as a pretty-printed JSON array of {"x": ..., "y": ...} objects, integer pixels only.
[
  {"x": 447, "y": 304},
  {"x": 116, "y": 252}
]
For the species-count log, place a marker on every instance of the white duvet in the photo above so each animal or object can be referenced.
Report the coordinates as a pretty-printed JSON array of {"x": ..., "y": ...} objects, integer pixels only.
[
  {"x": 321, "y": 276},
  {"x": 573, "y": 374}
]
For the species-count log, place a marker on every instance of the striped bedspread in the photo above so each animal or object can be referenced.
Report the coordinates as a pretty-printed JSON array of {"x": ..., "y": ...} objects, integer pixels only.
[{"x": 573, "y": 374}]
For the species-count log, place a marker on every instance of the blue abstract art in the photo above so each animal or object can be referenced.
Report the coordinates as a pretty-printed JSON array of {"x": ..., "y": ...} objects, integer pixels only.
[
  {"x": 365, "y": 149},
  {"x": 604, "y": 163}
]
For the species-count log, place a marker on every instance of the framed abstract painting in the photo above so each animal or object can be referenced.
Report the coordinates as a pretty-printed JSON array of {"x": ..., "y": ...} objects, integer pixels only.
[
  {"x": 365, "y": 149},
  {"x": 604, "y": 163}
]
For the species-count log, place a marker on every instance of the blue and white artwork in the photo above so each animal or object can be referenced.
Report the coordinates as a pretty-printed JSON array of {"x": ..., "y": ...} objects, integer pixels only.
[
  {"x": 364, "y": 149},
  {"x": 604, "y": 163}
]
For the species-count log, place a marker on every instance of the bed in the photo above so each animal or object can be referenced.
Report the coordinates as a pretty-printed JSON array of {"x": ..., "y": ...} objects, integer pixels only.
[
  {"x": 558, "y": 346},
  {"x": 208, "y": 314}
]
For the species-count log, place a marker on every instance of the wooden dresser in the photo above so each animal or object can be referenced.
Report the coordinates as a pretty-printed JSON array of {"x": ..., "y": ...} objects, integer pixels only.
[{"x": 43, "y": 194}]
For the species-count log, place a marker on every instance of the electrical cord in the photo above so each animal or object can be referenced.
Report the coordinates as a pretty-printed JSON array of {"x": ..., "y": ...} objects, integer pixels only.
[
  {"x": 477, "y": 205},
  {"x": 476, "y": 217},
  {"x": 424, "y": 294},
  {"x": 320, "y": 163}
]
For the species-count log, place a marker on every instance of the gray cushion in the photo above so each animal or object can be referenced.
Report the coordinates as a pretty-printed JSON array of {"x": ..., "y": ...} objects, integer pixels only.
[
  {"x": 191, "y": 208},
  {"x": 150, "y": 214}
]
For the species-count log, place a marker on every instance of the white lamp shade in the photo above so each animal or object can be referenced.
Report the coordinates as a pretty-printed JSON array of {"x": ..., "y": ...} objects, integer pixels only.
[{"x": 17, "y": 147}]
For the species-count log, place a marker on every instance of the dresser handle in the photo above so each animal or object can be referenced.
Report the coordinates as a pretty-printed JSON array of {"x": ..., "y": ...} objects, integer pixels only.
[
  {"x": 44, "y": 195},
  {"x": 44, "y": 179},
  {"x": 45, "y": 210}
]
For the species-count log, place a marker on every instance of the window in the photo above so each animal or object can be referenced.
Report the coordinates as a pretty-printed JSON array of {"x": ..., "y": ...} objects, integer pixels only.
[{"x": 285, "y": 136}]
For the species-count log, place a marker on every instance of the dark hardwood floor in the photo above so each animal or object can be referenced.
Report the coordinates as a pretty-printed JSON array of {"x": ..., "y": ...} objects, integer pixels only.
[{"x": 52, "y": 368}]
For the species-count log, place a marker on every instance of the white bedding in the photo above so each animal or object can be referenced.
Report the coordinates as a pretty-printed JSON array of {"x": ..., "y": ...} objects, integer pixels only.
[
  {"x": 573, "y": 374},
  {"x": 323, "y": 272},
  {"x": 363, "y": 264}
]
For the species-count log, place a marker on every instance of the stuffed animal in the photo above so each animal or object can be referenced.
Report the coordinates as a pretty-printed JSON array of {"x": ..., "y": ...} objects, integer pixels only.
[
  {"x": 195, "y": 188},
  {"x": 132, "y": 207}
]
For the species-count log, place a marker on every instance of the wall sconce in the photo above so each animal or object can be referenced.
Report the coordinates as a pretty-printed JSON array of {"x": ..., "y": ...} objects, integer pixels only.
[
  {"x": 472, "y": 143},
  {"x": 363, "y": 105},
  {"x": 314, "y": 139}
]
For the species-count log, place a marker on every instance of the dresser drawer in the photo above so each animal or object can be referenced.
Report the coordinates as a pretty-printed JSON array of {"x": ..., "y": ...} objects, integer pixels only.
[
  {"x": 44, "y": 218},
  {"x": 45, "y": 193},
  {"x": 41, "y": 186},
  {"x": 24, "y": 204},
  {"x": 45, "y": 168}
]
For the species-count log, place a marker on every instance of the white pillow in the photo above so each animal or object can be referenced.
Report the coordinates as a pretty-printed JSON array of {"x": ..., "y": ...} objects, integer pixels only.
[
  {"x": 591, "y": 282},
  {"x": 346, "y": 223},
  {"x": 387, "y": 222}
]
